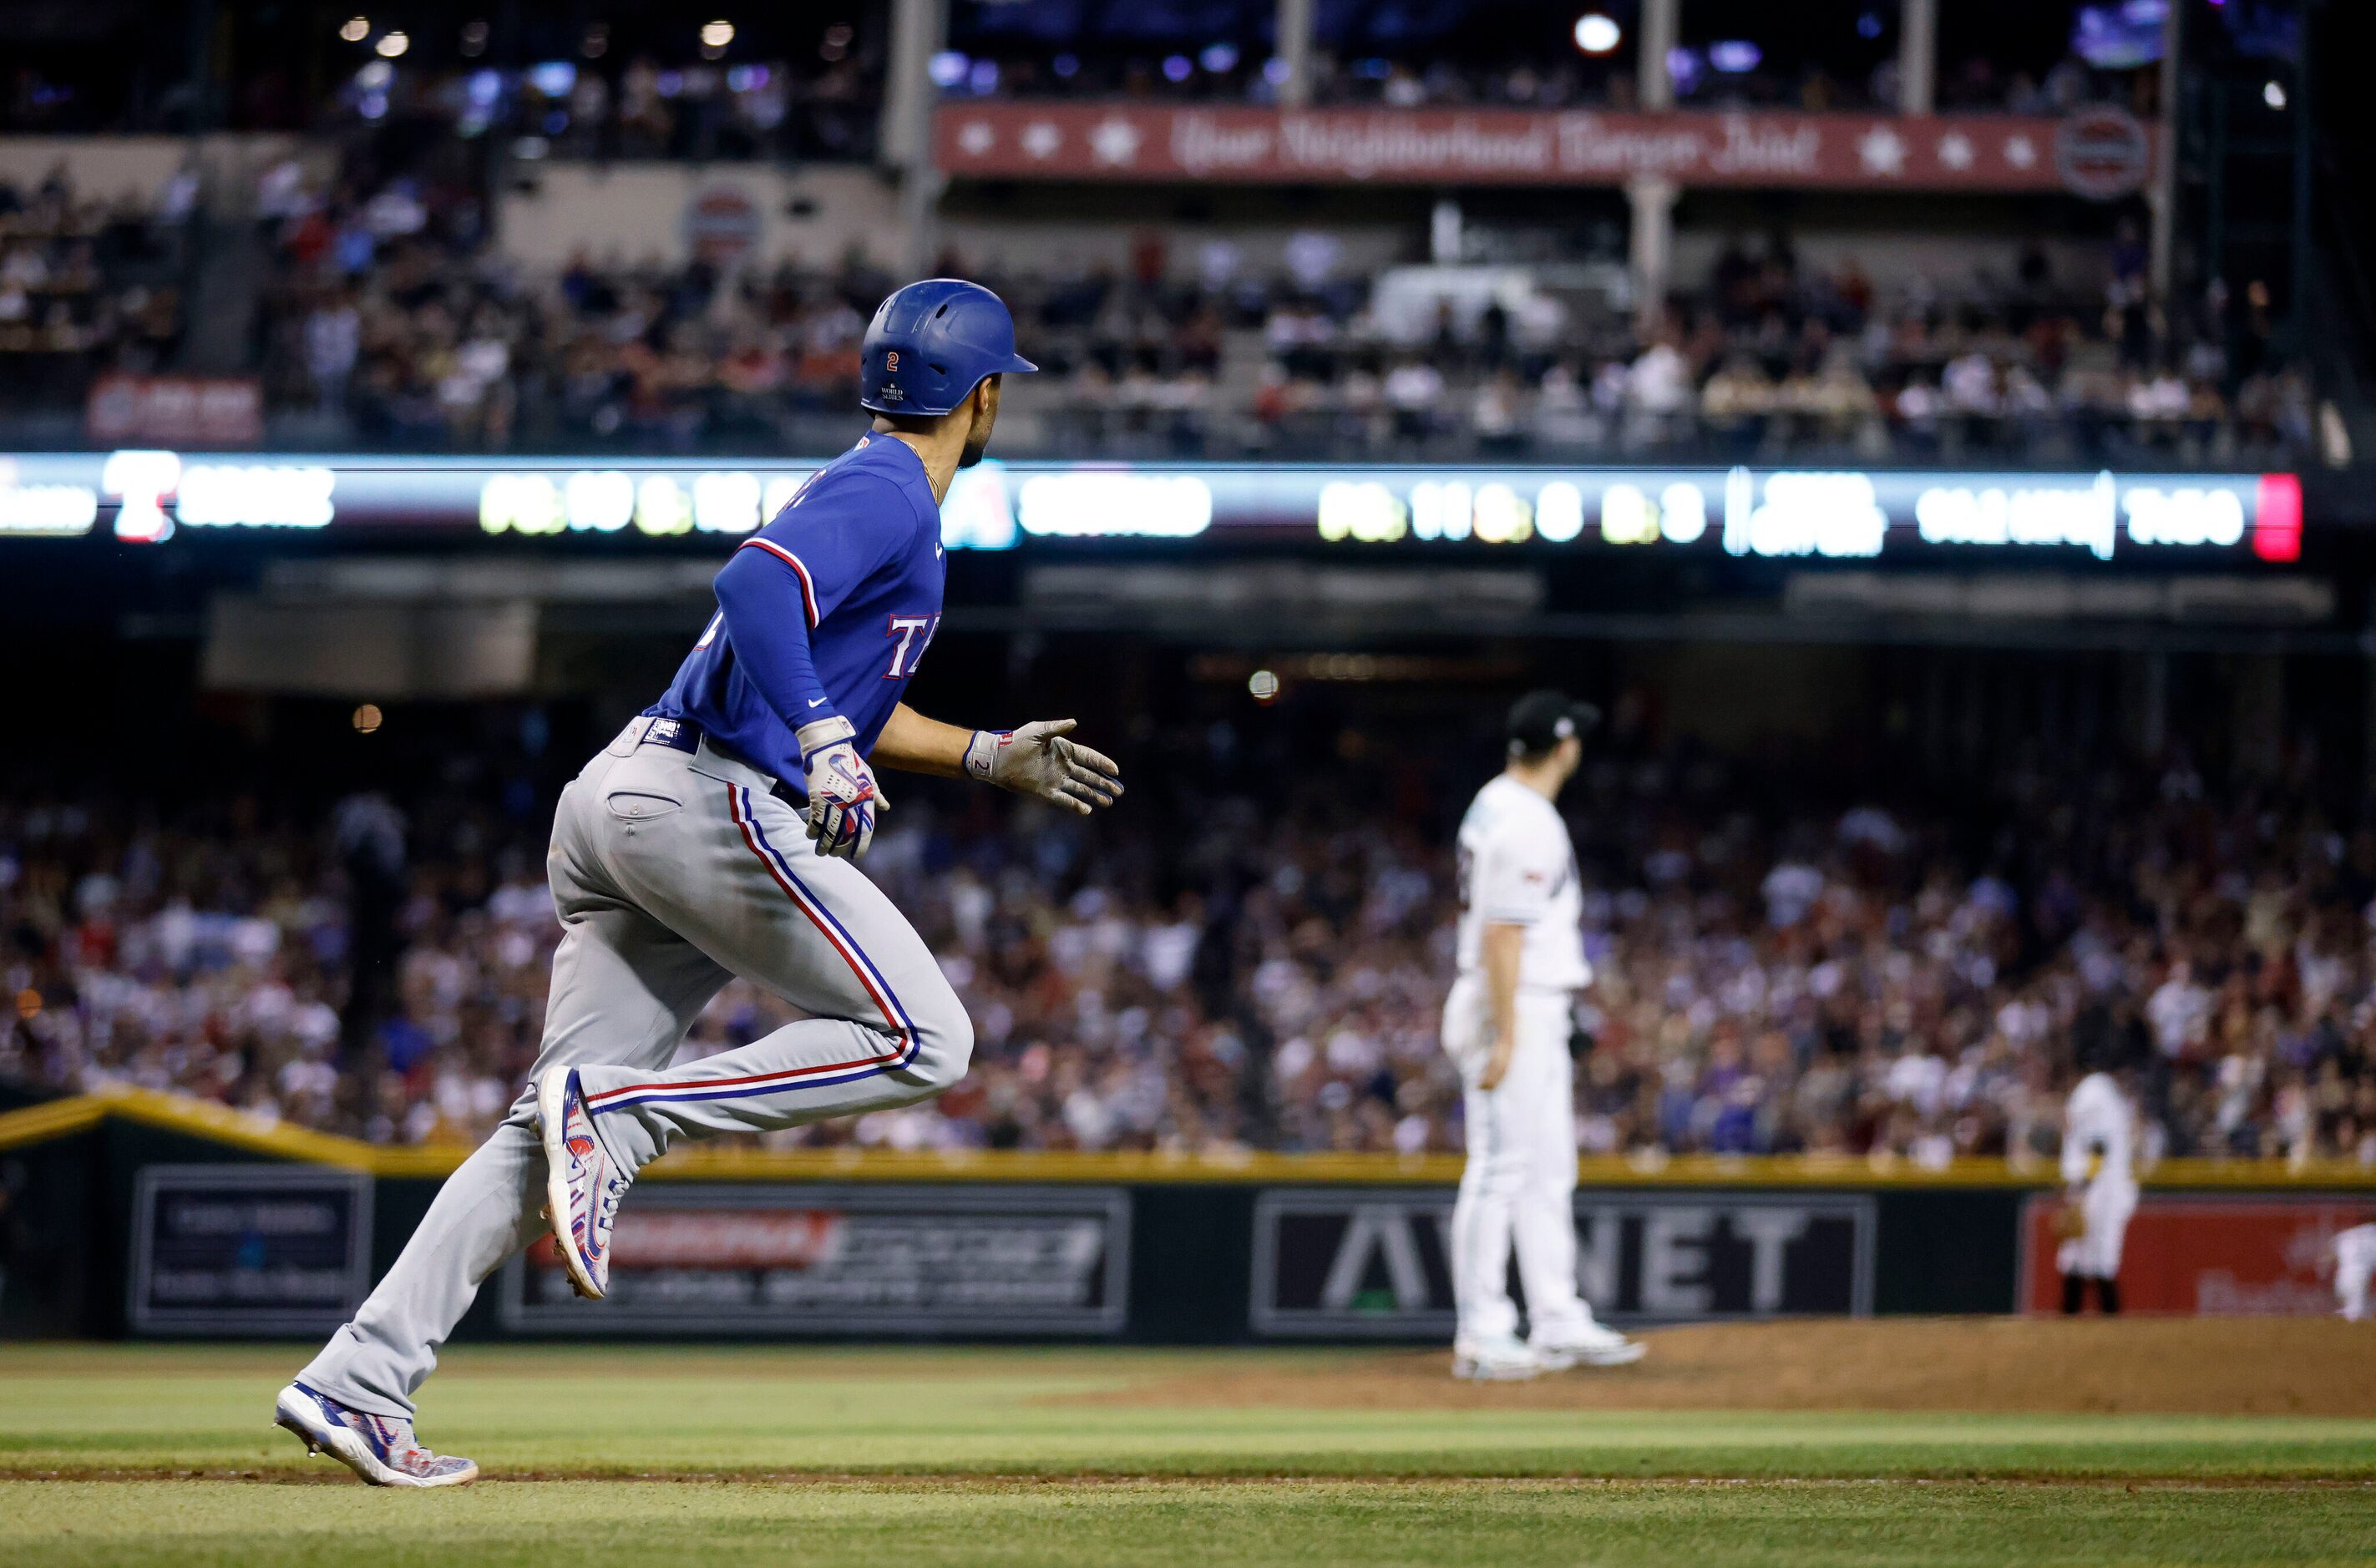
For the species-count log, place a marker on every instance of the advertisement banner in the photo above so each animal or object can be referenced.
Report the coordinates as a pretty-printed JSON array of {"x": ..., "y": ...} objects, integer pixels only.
[
  {"x": 1334, "y": 1263},
  {"x": 247, "y": 1249},
  {"x": 970, "y": 1260},
  {"x": 2207, "y": 1257},
  {"x": 2098, "y": 153}
]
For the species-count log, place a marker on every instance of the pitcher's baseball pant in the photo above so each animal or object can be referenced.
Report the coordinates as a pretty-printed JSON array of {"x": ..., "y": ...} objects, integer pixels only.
[
  {"x": 1519, "y": 1183},
  {"x": 2106, "y": 1204},
  {"x": 2355, "y": 1261},
  {"x": 670, "y": 872}
]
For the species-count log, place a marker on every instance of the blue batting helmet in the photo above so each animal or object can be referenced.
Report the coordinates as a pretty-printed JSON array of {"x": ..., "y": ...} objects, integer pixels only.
[{"x": 930, "y": 344}]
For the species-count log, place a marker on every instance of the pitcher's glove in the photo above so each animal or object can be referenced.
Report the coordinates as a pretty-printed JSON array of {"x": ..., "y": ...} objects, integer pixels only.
[
  {"x": 1038, "y": 760},
  {"x": 844, "y": 800},
  {"x": 2070, "y": 1221}
]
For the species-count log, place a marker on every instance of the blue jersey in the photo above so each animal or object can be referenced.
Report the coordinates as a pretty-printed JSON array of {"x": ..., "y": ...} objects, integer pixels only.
[{"x": 828, "y": 610}]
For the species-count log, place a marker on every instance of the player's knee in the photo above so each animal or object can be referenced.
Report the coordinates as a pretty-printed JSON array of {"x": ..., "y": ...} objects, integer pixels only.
[{"x": 943, "y": 1039}]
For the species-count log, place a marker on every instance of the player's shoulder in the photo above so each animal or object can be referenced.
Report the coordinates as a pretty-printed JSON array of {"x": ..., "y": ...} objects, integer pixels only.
[
  {"x": 2094, "y": 1089},
  {"x": 867, "y": 475},
  {"x": 1506, "y": 807}
]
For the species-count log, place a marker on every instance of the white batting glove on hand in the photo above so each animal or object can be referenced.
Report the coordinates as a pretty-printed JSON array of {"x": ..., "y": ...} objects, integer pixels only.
[
  {"x": 1038, "y": 760},
  {"x": 844, "y": 800}
]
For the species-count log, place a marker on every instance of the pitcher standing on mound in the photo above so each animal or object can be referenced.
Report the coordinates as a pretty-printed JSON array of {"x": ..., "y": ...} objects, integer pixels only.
[
  {"x": 715, "y": 836},
  {"x": 1506, "y": 1026}
]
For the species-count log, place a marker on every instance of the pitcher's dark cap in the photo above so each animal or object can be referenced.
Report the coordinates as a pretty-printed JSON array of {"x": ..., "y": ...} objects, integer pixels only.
[{"x": 1540, "y": 720}]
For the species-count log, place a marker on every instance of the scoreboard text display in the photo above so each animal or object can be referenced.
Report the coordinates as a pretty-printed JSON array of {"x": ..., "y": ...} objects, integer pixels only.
[{"x": 153, "y": 496}]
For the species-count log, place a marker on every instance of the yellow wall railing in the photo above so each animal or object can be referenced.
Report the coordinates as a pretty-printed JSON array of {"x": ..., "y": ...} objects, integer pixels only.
[{"x": 279, "y": 1140}]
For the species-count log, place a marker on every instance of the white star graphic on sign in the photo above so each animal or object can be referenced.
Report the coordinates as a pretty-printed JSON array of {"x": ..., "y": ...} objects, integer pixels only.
[
  {"x": 1882, "y": 151},
  {"x": 2020, "y": 151},
  {"x": 976, "y": 137},
  {"x": 1956, "y": 151},
  {"x": 1042, "y": 139},
  {"x": 1114, "y": 141}
]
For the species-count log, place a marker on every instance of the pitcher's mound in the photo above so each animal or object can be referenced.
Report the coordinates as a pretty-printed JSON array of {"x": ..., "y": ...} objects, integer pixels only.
[{"x": 2196, "y": 1366}]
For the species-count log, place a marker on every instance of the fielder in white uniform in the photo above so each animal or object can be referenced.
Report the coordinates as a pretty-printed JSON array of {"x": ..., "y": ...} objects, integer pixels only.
[
  {"x": 2354, "y": 1261},
  {"x": 1506, "y": 1024},
  {"x": 2100, "y": 1181}
]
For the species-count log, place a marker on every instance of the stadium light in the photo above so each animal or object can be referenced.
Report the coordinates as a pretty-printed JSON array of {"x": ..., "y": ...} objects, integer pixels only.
[
  {"x": 2273, "y": 95},
  {"x": 354, "y": 29},
  {"x": 1596, "y": 33},
  {"x": 716, "y": 35},
  {"x": 392, "y": 45}
]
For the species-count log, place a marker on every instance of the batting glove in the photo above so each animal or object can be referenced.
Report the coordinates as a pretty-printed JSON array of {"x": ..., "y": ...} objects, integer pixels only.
[
  {"x": 1038, "y": 760},
  {"x": 844, "y": 800}
]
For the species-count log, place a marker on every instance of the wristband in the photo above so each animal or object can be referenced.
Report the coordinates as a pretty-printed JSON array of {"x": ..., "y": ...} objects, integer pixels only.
[
  {"x": 822, "y": 732},
  {"x": 982, "y": 751}
]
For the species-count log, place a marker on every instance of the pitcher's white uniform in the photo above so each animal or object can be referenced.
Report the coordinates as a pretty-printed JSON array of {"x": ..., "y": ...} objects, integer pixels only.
[
  {"x": 2355, "y": 1261},
  {"x": 1517, "y": 868},
  {"x": 2099, "y": 1150}
]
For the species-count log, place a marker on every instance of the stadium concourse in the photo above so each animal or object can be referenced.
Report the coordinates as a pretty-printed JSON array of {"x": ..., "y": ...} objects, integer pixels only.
[{"x": 1780, "y": 970}]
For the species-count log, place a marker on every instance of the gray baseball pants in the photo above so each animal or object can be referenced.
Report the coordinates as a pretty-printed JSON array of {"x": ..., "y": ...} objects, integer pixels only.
[{"x": 670, "y": 872}]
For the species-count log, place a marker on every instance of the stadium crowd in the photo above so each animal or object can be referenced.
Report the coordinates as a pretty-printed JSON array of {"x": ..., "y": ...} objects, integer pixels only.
[
  {"x": 85, "y": 286},
  {"x": 414, "y": 335},
  {"x": 1856, "y": 980}
]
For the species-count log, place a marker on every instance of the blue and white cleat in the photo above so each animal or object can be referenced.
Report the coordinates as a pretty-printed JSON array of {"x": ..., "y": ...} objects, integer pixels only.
[
  {"x": 582, "y": 1184},
  {"x": 381, "y": 1449}
]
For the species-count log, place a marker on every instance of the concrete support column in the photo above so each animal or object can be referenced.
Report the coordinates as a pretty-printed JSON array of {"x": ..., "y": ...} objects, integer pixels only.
[
  {"x": 1653, "y": 256},
  {"x": 1918, "y": 56},
  {"x": 2150, "y": 710},
  {"x": 918, "y": 27},
  {"x": 1294, "y": 45},
  {"x": 1661, "y": 29},
  {"x": 2161, "y": 197}
]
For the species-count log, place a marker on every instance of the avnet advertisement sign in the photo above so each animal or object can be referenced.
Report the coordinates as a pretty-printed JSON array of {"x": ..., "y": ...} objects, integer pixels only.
[
  {"x": 970, "y": 1260},
  {"x": 1331, "y": 1263}
]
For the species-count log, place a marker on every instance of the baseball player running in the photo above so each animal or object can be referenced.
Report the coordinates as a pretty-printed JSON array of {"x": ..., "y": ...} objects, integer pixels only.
[
  {"x": 716, "y": 837},
  {"x": 2100, "y": 1181},
  {"x": 1506, "y": 1024}
]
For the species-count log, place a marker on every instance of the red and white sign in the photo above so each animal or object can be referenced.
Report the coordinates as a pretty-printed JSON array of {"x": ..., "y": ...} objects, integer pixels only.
[
  {"x": 690, "y": 1238},
  {"x": 2207, "y": 1257},
  {"x": 176, "y": 411},
  {"x": 2101, "y": 153}
]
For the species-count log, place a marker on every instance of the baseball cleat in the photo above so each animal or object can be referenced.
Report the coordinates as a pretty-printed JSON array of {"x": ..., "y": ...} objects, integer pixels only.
[
  {"x": 1495, "y": 1360},
  {"x": 582, "y": 1184},
  {"x": 1591, "y": 1346},
  {"x": 381, "y": 1449}
]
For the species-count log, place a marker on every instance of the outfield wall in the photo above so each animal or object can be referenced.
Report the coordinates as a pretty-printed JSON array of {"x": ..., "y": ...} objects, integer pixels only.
[{"x": 147, "y": 1215}]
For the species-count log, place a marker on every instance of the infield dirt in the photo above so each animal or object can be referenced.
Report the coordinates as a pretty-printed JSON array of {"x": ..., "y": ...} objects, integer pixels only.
[{"x": 2190, "y": 1366}]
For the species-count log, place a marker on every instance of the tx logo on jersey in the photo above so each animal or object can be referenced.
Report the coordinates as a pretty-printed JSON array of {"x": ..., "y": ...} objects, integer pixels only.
[{"x": 915, "y": 634}]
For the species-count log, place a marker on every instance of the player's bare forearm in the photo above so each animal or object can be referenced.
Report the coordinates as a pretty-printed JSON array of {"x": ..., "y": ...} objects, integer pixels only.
[
  {"x": 913, "y": 744},
  {"x": 1503, "y": 945},
  {"x": 1039, "y": 759}
]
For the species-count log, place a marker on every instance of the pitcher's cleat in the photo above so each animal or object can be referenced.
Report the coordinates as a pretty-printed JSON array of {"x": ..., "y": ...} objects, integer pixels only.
[
  {"x": 381, "y": 1449},
  {"x": 1494, "y": 1360},
  {"x": 1591, "y": 1346},
  {"x": 582, "y": 1184}
]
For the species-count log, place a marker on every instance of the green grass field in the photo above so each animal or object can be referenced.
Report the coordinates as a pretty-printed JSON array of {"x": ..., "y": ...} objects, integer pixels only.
[{"x": 595, "y": 1455}]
